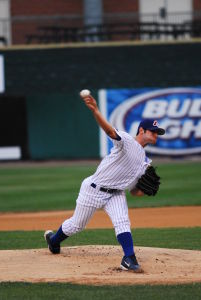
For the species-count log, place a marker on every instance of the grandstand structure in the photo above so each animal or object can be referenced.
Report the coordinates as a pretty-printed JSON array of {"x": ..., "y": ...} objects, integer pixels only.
[{"x": 48, "y": 21}]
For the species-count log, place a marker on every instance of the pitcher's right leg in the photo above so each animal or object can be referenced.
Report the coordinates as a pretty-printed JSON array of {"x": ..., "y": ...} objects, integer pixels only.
[{"x": 79, "y": 220}]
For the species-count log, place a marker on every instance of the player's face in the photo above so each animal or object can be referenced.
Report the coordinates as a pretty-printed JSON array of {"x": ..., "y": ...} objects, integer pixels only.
[{"x": 151, "y": 137}]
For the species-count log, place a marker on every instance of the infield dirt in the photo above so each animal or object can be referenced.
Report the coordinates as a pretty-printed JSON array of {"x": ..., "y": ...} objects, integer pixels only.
[
  {"x": 161, "y": 217},
  {"x": 99, "y": 265}
]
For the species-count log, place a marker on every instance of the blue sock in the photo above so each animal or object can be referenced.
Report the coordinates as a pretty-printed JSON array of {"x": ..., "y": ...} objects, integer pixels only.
[
  {"x": 126, "y": 241},
  {"x": 58, "y": 237}
]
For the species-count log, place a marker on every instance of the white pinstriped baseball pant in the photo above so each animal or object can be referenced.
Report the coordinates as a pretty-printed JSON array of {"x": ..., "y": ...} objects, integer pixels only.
[{"x": 89, "y": 200}]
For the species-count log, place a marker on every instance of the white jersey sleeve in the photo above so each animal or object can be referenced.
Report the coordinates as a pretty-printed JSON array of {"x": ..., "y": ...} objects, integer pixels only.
[{"x": 122, "y": 140}]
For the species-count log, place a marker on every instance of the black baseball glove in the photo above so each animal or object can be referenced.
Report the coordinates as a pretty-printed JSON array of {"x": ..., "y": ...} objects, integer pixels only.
[{"x": 149, "y": 182}]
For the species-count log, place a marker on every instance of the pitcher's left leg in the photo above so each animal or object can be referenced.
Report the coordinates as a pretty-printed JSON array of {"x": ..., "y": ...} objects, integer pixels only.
[{"x": 117, "y": 209}]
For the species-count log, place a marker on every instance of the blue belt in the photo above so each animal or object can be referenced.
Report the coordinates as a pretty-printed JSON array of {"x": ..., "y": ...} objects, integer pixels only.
[{"x": 106, "y": 190}]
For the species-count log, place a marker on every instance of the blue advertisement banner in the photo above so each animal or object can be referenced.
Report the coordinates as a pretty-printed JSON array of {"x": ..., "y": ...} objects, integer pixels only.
[{"x": 177, "y": 110}]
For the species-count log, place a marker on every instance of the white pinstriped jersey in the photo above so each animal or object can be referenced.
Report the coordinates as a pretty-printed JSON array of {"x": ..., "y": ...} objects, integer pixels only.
[
  {"x": 122, "y": 168},
  {"x": 118, "y": 170}
]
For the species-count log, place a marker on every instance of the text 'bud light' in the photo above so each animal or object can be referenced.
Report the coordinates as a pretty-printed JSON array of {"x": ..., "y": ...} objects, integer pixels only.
[{"x": 178, "y": 111}]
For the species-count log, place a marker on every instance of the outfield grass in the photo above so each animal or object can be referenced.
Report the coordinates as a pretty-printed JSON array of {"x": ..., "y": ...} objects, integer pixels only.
[
  {"x": 36, "y": 189},
  {"x": 175, "y": 238},
  {"x": 56, "y": 188},
  {"x": 76, "y": 292}
]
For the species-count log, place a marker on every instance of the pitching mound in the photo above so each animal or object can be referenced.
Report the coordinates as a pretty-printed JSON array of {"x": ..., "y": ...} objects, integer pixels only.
[{"x": 99, "y": 265}]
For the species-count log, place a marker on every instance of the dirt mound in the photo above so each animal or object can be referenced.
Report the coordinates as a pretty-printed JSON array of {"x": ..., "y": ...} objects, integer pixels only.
[{"x": 99, "y": 265}]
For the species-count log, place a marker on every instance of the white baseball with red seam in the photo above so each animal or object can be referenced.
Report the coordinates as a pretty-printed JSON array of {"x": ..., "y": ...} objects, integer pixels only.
[{"x": 85, "y": 93}]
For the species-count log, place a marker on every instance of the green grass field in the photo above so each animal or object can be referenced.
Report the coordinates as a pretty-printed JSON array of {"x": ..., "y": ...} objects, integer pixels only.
[
  {"x": 56, "y": 188},
  {"x": 175, "y": 238},
  {"x": 76, "y": 292}
]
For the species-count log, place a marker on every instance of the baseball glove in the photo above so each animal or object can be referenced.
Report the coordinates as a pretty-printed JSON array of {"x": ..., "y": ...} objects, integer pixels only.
[{"x": 149, "y": 182}]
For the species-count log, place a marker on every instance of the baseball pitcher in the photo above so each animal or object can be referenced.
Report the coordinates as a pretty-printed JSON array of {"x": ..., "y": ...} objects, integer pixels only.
[{"x": 126, "y": 167}]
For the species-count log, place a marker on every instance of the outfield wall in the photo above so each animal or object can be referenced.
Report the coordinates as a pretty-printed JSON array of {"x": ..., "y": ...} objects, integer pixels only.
[{"x": 58, "y": 124}]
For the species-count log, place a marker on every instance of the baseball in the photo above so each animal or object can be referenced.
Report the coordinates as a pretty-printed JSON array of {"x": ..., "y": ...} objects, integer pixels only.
[{"x": 85, "y": 93}]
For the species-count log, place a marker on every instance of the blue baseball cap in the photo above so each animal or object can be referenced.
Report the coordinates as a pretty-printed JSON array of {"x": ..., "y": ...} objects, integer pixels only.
[{"x": 151, "y": 125}]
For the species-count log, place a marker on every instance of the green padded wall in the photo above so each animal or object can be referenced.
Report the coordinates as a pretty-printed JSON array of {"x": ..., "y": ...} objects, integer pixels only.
[{"x": 60, "y": 126}]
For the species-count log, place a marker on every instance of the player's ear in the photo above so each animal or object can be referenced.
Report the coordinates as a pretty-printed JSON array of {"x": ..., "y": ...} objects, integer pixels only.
[{"x": 141, "y": 130}]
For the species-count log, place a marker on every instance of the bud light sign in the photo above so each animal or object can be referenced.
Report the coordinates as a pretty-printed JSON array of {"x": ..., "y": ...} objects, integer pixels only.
[{"x": 178, "y": 111}]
